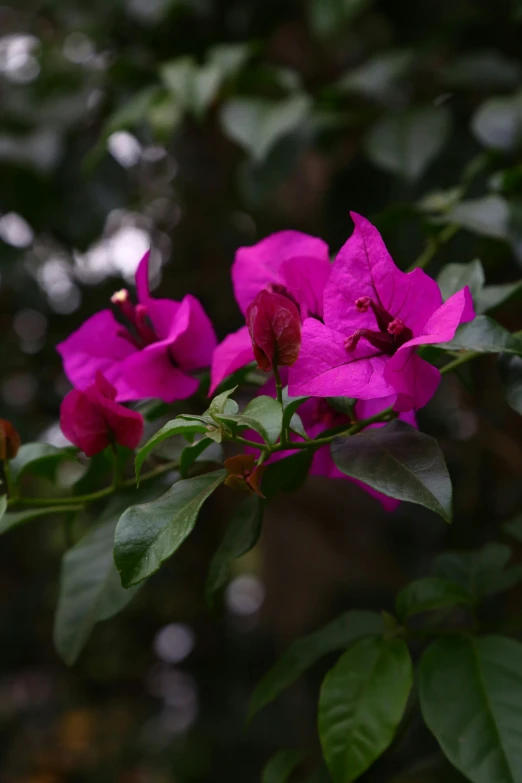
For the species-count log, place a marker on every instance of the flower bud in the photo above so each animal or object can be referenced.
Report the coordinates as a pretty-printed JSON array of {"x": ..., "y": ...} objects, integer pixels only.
[
  {"x": 243, "y": 474},
  {"x": 91, "y": 419},
  {"x": 274, "y": 325},
  {"x": 9, "y": 440}
]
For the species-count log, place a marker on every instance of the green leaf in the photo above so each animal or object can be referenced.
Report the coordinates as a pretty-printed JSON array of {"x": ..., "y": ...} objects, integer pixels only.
[
  {"x": 222, "y": 404},
  {"x": 329, "y": 17},
  {"x": 480, "y": 572},
  {"x": 148, "y": 534},
  {"x": 288, "y": 474},
  {"x": 40, "y": 459},
  {"x": 3, "y": 508},
  {"x": 179, "y": 426},
  {"x": 192, "y": 453},
  {"x": 497, "y": 123},
  {"x": 13, "y": 519},
  {"x": 487, "y": 216},
  {"x": 90, "y": 590},
  {"x": 453, "y": 277},
  {"x": 482, "y": 70},
  {"x": 134, "y": 111},
  {"x": 290, "y": 406},
  {"x": 257, "y": 124},
  {"x": 229, "y": 58},
  {"x": 406, "y": 143},
  {"x": 511, "y": 373},
  {"x": 493, "y": 296},
  {"x": 400, "y": 462},
  {"x": 484, "y": 335},
  {"x": 361, "y": 703},
  {"x": 192, "y": 86},
  {"x": 279, "y": 768},
  {"x": 241, "y": 536},
  {"x": 378, "y": 76},
  {"x": 470, "y": 693},
  {"x": 305, "y": 652},
  {"x": 262, "y": 414},
  {"x": 428, "y": 594}
]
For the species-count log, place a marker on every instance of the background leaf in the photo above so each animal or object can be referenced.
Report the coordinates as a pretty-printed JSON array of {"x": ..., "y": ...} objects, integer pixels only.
[
  {"x": 400, "y": 462},
  {"x": 40, "y": 459},
  {"x": 485, "y": 336},
  {"x": 488, "y": 216},
  {"x": 305, "y": 652},
  {"x": 427, "y": 594},
  {"x": 361, "y": 703},
  {"x": 453, "y": 277},
  {"x": 148, "y": 534},
  {"x": 241, "y": 535},
  {"x": 471, "y": 691},
  {"x": 13, "y": 519},
  {"x": 481, "y": 572},
  {"x": 406, "y": 143},
  {"x": 279, "y": 768},
  {"x": 90, "y": 590},
  {"x": 511, "y": 373}
]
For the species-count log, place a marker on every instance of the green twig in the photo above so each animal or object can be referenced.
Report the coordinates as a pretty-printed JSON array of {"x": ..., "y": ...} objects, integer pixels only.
[
  {"x": 466, "y": 357},
  {"x": 433, "y": 247}
]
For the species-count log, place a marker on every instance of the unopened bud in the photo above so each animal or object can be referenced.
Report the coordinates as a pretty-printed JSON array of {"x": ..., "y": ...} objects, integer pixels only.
[{"x": 274, "y": 325}]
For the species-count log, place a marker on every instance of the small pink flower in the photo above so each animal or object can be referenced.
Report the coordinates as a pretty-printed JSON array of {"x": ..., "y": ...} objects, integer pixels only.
[
  {"x": 375, "y": 316},
  {"x": 274, "y": 326},
  {"x": 92, "y": 420},
  {"x": 288, "y": 263},
  {"x": 149, "y": 349}
]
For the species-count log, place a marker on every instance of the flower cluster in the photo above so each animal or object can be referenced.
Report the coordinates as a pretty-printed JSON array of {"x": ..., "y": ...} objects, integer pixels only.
[{"x": 350, "y": 328}]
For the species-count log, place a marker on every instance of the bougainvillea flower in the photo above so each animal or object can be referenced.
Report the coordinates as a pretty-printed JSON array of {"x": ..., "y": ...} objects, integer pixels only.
[
  {"x": 92, "y": 420},
  {"x": 289, "y": 263},
  {"x": 274, "y": 326},
  {"x": 149, "y": 349},
  {"x": 375, "y": 316}
]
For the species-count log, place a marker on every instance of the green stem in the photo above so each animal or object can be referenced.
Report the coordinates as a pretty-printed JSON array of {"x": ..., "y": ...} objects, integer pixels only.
[
  {"x": 83, "y": 500},
  {"x": 460, "y": 360},
  {"x": 433, "y": 247},
  {"x": 279, "y": 385}
]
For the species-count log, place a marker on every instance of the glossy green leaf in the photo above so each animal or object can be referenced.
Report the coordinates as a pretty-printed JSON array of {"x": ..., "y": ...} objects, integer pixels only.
[
  {"x": 41, "y": 459},
  {"x": 241, "y": 535},
  {"x": 180, "y": 426},
  {"x": 148, "y": 534},
  {"x": 305, "y": 652},
  {"x": 406, "y": 143},
  {"x": 453, "y": 277},
  {"x": 287, "y": 474},
  {"x": 262, "y": 414},
  {"x": 471, "y": 692},
  {"x": 12, "y": 519},
  {"x": 511, "y": 373},
  {"x": 290, "y": 406},
  {"x": 428, "y": 594},
  {"x": 492, "y": 296},
  {"x": 480, "y": 572},
  {"x": 90, "y": 590},
  {"x": 361, "y": 703},
  {"x": 257, "y": 124},
  {"x": 497, "y": 123},
  {"x": 399, "y": 461},
  {"x": 222, "y": 404},
  {"x": 488, "y": 216},
  {"x": 484, "y": 335},
  {"x": 279, "y": 768},
  {"x": 192, "y": 453}
]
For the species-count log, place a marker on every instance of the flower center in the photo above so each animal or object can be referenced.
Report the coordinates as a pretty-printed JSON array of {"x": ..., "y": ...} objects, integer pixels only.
[
  {"x": 134, "y": 320},
  {"x": 392, "y": 332}
]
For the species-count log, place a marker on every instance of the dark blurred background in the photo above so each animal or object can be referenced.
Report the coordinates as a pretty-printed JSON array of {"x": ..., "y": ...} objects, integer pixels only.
[{"x": 197, "y": 126}]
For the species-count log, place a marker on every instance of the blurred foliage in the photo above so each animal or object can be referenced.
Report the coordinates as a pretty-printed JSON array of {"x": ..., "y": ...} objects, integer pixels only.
[{"x": 198, "y": 126}]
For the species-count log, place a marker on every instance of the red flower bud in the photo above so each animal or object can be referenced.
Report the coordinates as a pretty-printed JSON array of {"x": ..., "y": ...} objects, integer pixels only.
[
  {"x": 275, "y": 330},
  {"x": 243, "y": 474},
  {"x": 91, "y": 419},
  {"x": 9, "y": 440}
]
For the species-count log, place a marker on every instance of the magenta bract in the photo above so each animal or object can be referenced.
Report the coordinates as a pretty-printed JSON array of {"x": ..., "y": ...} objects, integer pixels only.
[
  {"x": 146, "y": 350},
  {"x": 289, "y": 263},
  {"x": 91, "y": 419},
  {"x": 374, "y": 318}
]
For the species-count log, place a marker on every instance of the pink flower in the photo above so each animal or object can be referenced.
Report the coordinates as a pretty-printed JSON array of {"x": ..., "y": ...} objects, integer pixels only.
[
  {"x": 288, "y": 263},
  {"x": 91, "y": 419},
  {"x": 274, "y": 327},
  {"x": 374, "y": 318},
  {"x": 149, "y": 349}
]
